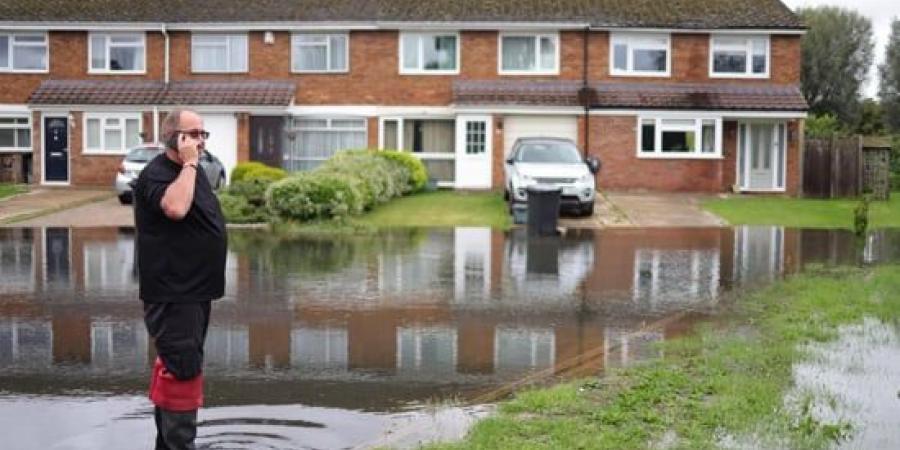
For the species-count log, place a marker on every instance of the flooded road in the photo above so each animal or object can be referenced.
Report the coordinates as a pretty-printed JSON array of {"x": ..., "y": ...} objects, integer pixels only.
[{"x": 350, "y": 341}]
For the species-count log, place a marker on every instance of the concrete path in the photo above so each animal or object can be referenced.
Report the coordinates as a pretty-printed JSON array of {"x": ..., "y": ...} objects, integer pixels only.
[
  {"x": 107, "y": 212},
  {"x": 664, "y": 210},
  {"x": 41, "y": 201}
]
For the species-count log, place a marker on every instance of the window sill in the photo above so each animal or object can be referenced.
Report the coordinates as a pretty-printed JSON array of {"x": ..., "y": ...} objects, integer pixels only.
[
  {"x": 25, "y": 71},
  {"x": 641, "y": 74},
  {"x": 320, "y": 72},
  {"x": 429, "y": 72},
  {"x": 117, "y": 72},
  {"x": 739, "y": 76},
  {"x": 203, "y": 72},
  {"x": 104, "y": 152},
  {"x": 15, "y": 150},
  {"x": 713, "y": 157},
  {"x": 529, "y": 72}
]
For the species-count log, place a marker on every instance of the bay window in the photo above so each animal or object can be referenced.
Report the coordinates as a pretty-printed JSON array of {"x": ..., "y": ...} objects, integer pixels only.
[
  {"x": 320, "y": 53},
  {"x": 640, "y": 54},
  {"x": 678, "y": 137},
  {"x": 116, "y": 53},
  {"x": 314, "y": 140},
  {"x": 111, "y": 133},
  {"x": 429, "y": 53},
  {"x": 219, "y": 52},
  {"x": 15, "y": 133},
  {"x": 739, "y": 57},
  {"x": 24, "y": 52},
  {"x": 529, "y": 54}
]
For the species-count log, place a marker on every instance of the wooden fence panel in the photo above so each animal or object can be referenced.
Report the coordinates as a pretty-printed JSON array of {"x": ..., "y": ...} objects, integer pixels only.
[
  {"x": 817, "y": 168},
  {"x": 832, "y": 168}
]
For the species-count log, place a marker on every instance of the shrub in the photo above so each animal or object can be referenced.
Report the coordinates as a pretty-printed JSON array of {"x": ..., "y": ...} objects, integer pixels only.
[
  {"x": 238, "y": 210},
  {"x": 313, "y": 195},
  {"x": 418, "y": 174},
  {"x": 256, "y": 170},
  {"x": 380, "y": 179}
]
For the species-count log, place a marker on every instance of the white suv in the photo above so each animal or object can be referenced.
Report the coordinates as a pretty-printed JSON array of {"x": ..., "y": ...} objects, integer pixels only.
[{"x": 555, "y": 162}]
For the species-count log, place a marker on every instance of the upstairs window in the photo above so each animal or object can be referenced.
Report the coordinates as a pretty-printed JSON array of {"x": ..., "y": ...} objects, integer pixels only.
[
  {"x": 320, "y": 52},
  {"x": 529, "y": 54},
  {"x": 24, "y": 52},
  {"x": 739, "y": 57},
  {"x": 640, "y": 54},
  {"x": 117, "y": 53},
  {"x": 429, "y": 53},
  {"x": 219, "y": 52}
]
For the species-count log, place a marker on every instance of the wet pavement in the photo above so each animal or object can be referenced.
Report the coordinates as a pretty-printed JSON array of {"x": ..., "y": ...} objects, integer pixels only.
[{"x": 361, "y": 341}]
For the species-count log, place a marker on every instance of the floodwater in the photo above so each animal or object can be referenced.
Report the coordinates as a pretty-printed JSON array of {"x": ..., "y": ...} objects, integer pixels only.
[{"x": 354, "y": 342}]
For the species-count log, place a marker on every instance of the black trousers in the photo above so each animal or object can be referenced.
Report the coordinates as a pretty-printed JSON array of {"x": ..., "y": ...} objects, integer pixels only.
[{"x": 179, "y": 332}]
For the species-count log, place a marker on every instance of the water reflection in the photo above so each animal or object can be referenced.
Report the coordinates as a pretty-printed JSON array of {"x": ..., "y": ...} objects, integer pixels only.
[{"x": 381, "y": 321}]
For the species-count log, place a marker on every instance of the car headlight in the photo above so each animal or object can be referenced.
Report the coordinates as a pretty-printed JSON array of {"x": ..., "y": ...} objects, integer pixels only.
[
  {"x": 586, "y": 179},
  {"x": 525, "y": 178}
]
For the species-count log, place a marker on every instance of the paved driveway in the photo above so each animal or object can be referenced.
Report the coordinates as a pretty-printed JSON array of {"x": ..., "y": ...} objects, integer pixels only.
[
  {"x": 41, "y": 200},
  {"x": 664, "y": 210}
]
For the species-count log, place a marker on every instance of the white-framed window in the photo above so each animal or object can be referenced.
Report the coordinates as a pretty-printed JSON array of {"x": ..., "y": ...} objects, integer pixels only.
[
  {"x": 117, "y": 53},
  {"x": 429, "y": 53},
  {"x": 529, "y": 54},
  {"x": 24, "y": 52},
  {"x": 218, "y": 53},
  {"x": 15, "y": 133},
  {"x": 738, "y": 56},
  {"x": 640, "y": 54},
  {"x": 320, "y": 53},
  {"x": 679, "y": 137},
  {"x": 312, "y": 140},
  {"x": 433, "y": 140},
  {"x": 111, "y": 134}
]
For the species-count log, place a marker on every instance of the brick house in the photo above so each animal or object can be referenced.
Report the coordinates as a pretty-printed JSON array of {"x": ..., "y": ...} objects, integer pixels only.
[{"x": 704, "y": 97}]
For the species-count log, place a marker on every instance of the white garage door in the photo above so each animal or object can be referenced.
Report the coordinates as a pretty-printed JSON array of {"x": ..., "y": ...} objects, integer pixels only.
[
  {"x": 222, "y": 139},
  {"x": 515, "y": 127}
]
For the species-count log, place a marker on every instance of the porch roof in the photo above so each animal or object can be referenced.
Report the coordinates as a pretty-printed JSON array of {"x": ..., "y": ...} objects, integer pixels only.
[
  {"x": 134, "y": 92},
  {"x": 621, "y": 95}
]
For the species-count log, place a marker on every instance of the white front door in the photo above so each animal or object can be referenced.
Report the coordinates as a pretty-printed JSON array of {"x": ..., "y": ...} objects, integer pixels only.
[
  {"x": 473, "y": 152},
  {"x": 222, "y": 140},
  {"x": 761, "y": 156}
]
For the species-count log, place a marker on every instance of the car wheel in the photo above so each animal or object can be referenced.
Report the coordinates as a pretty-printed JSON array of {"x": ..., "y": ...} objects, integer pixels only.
[
  {"x": 125, "y": 199},
  {"x": 587, "y": 210}
]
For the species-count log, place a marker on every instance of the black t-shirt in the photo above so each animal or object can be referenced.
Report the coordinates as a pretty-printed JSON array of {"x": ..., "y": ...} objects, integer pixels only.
[{"x": 178, "y": 260}]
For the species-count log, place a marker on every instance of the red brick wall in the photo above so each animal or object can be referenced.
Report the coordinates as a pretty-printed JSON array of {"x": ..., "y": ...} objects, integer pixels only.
[{"x": 614, "y": 141}]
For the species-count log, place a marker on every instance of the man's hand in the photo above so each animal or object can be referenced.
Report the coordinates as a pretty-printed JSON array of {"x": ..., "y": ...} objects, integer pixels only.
[{"x": 188, "y": 149}]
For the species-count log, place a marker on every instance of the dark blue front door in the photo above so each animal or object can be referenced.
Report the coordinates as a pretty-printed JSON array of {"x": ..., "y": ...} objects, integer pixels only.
[{"x": 56, "y": 149}]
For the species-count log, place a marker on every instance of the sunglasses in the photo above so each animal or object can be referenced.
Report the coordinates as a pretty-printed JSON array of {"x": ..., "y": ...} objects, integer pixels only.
[{"x": 196, "y": 134}]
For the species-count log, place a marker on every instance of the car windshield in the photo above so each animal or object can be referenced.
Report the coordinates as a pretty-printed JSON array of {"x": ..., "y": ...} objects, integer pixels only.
[
  {"x": 142, "y": 154},
  {"x": 549, "y": 152}
]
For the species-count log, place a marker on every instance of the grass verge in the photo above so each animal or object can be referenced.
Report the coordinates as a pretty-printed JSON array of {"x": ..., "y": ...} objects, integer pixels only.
[
  {"x": 724, "y": 380},
  {"x": 808, "y": 213},
  {"x": 8, "y": 190},
  {"x": 429, "y": 209}
]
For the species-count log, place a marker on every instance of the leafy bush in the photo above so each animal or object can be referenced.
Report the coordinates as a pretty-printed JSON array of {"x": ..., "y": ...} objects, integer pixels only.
[
  {"x": 256, "y": 170},
  {"x": 238, "y": 210},
  {"x": 895, "y": 163},
  {"x": 313, "y": 195},
  {"x": 418, "y": 174},
  {"x": 823, "y": 126},
  {"x": 379, "y": 179}
]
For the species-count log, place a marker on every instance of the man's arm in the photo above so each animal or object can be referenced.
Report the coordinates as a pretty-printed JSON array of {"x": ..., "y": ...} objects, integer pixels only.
[{"x": 176, "y": 202}]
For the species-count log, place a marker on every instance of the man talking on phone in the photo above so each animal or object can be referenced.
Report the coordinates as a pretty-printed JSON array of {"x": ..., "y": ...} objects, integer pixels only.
[{"x": 181, "y": 264}]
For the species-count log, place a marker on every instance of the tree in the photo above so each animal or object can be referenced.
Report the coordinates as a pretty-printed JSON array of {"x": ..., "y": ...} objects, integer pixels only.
[
  {"x": 889, "y": 90},
  {"x": 837, "y": 54},
  {"x": 823, "y": 126},
  {"x": 871, "y": 119}
]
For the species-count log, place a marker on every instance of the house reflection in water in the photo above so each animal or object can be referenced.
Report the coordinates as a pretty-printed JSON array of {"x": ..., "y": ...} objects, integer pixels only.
[{"x": 467, "y": 307}]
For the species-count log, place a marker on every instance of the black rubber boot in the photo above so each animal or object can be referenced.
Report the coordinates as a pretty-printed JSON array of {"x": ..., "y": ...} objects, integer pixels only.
[{"x": 175, "y": 430}]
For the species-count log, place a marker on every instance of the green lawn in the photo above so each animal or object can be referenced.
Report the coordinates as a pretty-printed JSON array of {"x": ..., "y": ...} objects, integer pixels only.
[
  {"x": 7, "y": 189},
  {"x": 440, "y": 209},
  {"x": 809, "y": 213},
  {"x": 730, "y": 378}
]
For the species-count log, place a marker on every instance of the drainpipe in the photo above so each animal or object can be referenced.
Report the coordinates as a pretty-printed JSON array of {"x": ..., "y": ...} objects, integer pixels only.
[
  {"x": 585, "y": 90},
  {"x": 166, "y": 59}
]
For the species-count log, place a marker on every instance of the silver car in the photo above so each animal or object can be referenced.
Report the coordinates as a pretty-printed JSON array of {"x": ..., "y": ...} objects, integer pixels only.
[
  {"x": 551, "y": 161},
  {"x": 138, "y": 157}
]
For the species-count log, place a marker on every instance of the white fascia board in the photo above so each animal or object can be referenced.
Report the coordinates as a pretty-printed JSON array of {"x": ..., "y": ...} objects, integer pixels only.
[
  {"x": 88, "y": 26},
  {"x": 532, "y": 26},
  {"x": 701, "y": 113},
  {"x": 756, "y": 31},
  {"x": 520, "y": 110},
  {"x": 13, "y": 108},
  {"x": 270, "y": 26}
]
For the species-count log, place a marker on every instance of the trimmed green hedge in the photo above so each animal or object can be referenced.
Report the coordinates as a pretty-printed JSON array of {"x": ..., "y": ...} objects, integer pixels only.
[
  {"x": 256, "y": 171},
  {"x": 418, "y": 175},
  {"x": 244, "y": 201}
]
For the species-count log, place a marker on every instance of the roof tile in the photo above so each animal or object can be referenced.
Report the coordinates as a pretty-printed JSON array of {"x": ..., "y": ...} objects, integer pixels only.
[{"x": 134, "y": 92}]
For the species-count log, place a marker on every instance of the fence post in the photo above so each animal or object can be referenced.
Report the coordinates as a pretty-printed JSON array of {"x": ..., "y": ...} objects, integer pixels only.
[
  {"x": 859, "y": 165},
  {"x": 835, "y": 169}
]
